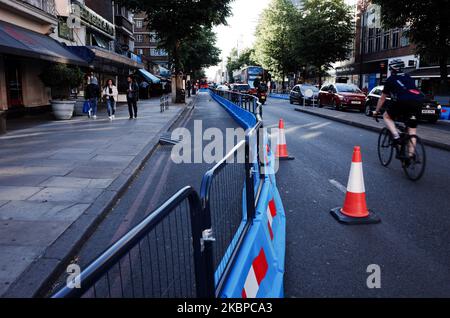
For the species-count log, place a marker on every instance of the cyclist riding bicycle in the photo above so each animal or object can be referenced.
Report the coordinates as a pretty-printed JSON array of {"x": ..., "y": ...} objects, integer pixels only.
[{"x": 406, "y": 101}]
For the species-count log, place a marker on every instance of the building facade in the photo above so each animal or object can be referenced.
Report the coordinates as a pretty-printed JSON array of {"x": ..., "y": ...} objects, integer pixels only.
[
  {"x": 101, "y": 32},
  {"x": 374, "y": 48},
  {"x": 146, "y": 45},
  {"x": 96, "y": 35},
  {"x": 28, "y": 29}
]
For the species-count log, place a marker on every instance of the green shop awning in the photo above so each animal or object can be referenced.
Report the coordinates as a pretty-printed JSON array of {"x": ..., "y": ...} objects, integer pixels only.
[{"x": 149, "y": 76}]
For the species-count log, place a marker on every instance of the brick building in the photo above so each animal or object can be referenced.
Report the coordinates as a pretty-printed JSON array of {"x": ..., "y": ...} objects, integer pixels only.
[
  {"x": 374, "y": 48},
  {"x": 146, "y": 45}
]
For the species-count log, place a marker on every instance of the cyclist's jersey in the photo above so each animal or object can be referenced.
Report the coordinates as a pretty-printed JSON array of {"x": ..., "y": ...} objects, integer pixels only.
[{"x": 402, "y": 88}]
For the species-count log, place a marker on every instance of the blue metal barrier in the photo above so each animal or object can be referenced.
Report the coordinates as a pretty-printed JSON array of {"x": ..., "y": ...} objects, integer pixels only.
[
  {"x": 258, "y": 268},
  {"x": 279, "y": 96}
]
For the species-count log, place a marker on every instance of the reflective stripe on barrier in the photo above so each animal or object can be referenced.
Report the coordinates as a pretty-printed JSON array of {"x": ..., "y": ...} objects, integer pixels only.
[
  {"x": 259, "y": 242},
  {"x": 255, "y": 276},
  {"x": 271, "y": 214}
]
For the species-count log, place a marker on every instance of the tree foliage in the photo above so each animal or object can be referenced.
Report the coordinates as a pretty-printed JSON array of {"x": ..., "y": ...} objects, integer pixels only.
[
  {"x": 178, "y": 21},
  {"x": 237, "y": 61},
  {"x": 274, "y": 48},
  {"x": 288, "y": 40},
  {"x": 324, "y": 34},
  {"x": 428, "y": 27},
  {"x": 199, "y": 52},
  {"x": 61, "y": 78}
]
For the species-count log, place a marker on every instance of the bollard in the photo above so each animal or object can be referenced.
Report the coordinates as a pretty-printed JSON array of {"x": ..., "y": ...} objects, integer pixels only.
[{"x": 162, "y": 103}]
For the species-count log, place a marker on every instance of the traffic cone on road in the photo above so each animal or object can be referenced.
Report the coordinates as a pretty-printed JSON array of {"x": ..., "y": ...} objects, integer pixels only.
[
  {"x": 355, "y": 209},
  {"x": 282, "y": 151}
]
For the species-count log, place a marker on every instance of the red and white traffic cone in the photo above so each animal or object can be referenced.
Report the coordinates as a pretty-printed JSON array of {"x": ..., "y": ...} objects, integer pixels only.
[
  {"x": 355, "y": 209},
  {"x": 282, "y": 151}
]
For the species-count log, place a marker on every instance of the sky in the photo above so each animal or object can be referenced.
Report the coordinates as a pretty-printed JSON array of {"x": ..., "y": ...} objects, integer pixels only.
[{"x": 240, "y": 31}]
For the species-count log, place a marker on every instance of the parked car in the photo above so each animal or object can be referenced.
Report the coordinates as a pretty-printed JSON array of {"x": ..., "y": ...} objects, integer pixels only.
[
  {"x": 431, "y": 110},
  {"x": 297, "y": 95},
  {"x": 223, "y": 88},
  {"x": 342, "y": 96},
  {"x": 241, "y": 88}
]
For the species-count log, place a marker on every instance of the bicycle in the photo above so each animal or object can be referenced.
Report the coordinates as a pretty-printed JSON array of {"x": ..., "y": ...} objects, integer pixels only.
[{"x": 410, "y": 151}]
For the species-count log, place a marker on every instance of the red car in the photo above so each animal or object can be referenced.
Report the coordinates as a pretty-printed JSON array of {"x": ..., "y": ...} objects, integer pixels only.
[{"x": 342, "y": 96}]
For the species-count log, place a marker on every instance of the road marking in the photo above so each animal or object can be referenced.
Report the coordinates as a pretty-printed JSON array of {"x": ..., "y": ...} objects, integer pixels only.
[{"x": 339, "y": 186}]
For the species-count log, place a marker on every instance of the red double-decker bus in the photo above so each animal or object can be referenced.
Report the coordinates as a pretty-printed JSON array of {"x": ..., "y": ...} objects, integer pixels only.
[{"x": 252, "y": 74}]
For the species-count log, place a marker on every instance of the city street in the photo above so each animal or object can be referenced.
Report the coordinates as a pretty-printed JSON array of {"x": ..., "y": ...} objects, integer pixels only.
[
  {"x": 224, "y": 150},
  {"x": 158, "y": 180},
  {"x": 326, "y": 259}
]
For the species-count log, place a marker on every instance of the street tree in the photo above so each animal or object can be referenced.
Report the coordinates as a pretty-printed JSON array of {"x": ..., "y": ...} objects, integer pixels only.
[
  {"x": 325, "y": 34},
  {"x": 178, "y": 21},
  {"x": 274, "y": 49},
  {"x": 237, "y": 61},
  {"x": 199, "y": 52},
  {"x": 427, "y": 24}
]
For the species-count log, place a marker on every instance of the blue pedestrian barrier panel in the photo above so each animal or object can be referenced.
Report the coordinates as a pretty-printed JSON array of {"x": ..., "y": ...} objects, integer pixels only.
[
  {"x": 279, "y": 96},
  {"x": 258, "y": 269},
  {"x": 445, "y": 113},
  {"x": 246, "y": 119}
]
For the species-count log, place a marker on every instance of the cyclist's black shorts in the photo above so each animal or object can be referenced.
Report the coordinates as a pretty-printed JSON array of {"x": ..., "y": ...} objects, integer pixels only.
[{"x": 407, "y": 112}]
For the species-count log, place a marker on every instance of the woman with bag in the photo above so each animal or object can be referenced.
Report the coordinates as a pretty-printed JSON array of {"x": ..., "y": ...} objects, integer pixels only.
[{"x": 111, "y": 94}]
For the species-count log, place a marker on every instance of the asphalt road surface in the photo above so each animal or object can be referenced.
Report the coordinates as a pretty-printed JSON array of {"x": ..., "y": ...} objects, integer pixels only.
[
  {"x": 327, "y": 259},
  {"x": 156, "y": 183},
  {"x": 324, "y": 258}
]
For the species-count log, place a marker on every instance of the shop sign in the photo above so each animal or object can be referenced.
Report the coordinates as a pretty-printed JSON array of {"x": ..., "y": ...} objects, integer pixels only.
[{"x": 91, "y": 18}]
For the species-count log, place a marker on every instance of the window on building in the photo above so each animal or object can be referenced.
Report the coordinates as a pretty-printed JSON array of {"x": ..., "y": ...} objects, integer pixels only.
[
  {"x": 386, "y": 40},
  {"x": 139, "y": 51},
  {"x": 395, "y": 38},
  {"x": 158, "y": 52},
  {"x": 404, "y": 41},
  {"x": 139, "y": 38},
  {"x": 371, "y": 41},
  {"x": 378, "y": 40},
  {"x": 139, "y": 23}
]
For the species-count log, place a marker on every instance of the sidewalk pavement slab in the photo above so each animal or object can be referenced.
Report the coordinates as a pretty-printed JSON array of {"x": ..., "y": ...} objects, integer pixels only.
[
  {"x": 58, "y": 179},
  {"x": 434, "y": 135}
]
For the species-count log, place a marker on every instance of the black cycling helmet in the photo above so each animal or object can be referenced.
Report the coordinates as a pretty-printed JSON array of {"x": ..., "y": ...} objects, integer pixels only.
[{"x": 396, "y": 66}]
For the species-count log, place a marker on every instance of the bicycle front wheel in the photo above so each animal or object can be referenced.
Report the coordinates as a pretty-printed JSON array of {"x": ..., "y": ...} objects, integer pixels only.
[
  {"x": 385, "y": 149},
  {"x": 415, "y": 164}
]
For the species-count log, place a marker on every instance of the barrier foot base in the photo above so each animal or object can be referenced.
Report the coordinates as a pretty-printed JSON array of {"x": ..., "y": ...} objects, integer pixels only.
[
  {"x": 286, "y": 158},
  {"x": 344, "y": 219}
]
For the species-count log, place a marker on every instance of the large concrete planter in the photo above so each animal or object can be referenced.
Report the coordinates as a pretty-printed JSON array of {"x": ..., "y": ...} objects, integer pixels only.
[
  {"x": 78, "y": 110},
  {"x": 63, "y": 109}
]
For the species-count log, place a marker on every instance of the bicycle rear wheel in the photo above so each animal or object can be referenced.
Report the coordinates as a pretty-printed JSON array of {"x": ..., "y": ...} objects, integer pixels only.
[
  {"x": 385, "y": 149},
  {"x": 415, "y": 166}
]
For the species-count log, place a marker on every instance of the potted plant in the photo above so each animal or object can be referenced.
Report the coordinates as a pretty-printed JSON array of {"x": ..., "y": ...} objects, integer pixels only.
[{"x": 62, "y": 79}]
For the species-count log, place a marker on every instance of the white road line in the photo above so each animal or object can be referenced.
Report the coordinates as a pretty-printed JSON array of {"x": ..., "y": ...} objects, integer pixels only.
[{"x": 339, "y": 186}]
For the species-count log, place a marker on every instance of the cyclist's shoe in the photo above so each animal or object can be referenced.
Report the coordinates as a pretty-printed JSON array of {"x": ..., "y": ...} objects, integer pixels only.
[
  {"x": 396, "y": 142},
  {"x": 411, "y": 159}
]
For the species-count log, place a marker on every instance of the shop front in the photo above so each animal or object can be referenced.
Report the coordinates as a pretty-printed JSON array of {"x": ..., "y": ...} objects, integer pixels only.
[
  {"x": 429, "y": 79},
  {"x": 107, "y": 65},
  {"x": 24, "y": 55}
]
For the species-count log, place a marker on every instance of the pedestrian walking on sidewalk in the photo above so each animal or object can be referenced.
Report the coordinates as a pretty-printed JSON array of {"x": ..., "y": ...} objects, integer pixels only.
[
  {"x": 132, "y": 97},
  {"x": 111, "y": 94},
  {"x": 188, "y": 88},
  {"x": 92, "y": 95}
]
